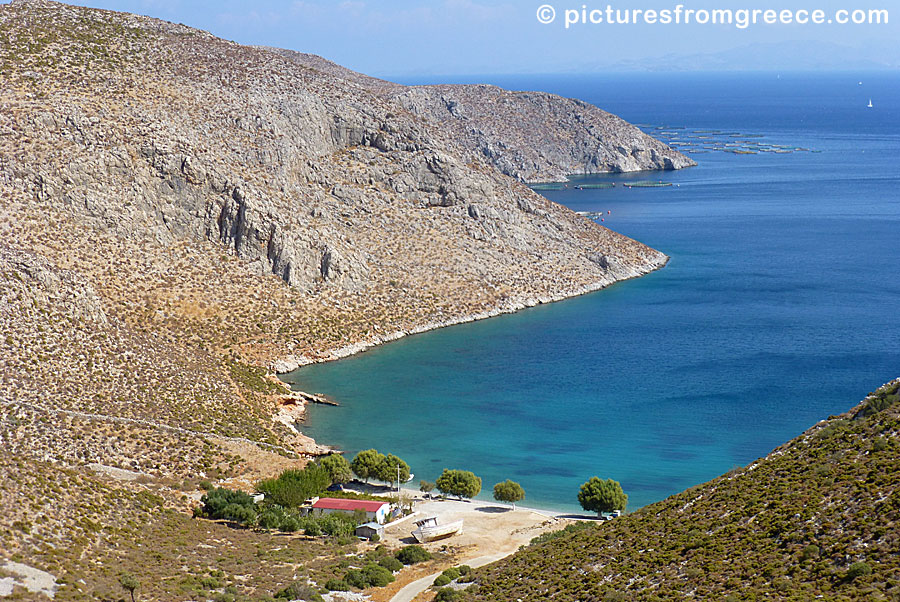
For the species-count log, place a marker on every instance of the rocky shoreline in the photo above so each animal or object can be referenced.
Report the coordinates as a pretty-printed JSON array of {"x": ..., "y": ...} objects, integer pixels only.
[{"x": 293, "y": 362}]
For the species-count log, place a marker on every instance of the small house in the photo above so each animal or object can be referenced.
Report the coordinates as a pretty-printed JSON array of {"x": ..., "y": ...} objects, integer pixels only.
[
  {"x": 369, "y": 530},
  {"x": 375, "y": 511}
]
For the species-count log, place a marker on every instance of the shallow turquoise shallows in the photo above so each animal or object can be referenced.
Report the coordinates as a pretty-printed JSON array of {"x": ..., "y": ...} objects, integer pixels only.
[{"x": 780, "y": 306}]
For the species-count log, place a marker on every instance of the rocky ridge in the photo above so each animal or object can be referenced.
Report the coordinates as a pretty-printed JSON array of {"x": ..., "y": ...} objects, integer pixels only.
[{"x": 530, "y": 136}]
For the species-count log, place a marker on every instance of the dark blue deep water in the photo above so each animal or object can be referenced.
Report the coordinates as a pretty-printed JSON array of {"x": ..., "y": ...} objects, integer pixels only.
[{"x": 780, "y": 306}]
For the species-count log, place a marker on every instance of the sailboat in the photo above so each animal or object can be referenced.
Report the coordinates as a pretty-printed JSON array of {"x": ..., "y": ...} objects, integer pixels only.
[{"x": 870, "y": 103}]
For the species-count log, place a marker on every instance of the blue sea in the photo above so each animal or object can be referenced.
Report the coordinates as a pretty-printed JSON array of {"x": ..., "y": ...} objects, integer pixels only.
[{"x": 779, "y": 307}]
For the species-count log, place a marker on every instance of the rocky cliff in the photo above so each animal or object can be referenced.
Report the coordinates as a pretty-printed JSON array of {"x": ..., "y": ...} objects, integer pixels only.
[{"x": 531, "y": 136}]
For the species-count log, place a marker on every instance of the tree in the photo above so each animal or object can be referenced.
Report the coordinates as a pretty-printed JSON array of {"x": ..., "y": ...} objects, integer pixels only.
[
  {"x": 387, "y": 470},
  {"x": 338, "y": 468},
  {"x": 509, "y": 491},
  {"x": 366, "y": 464},
  {"x": 129, "y": 583},
  {"x": 293, "y": 487},
  {"x": 460, "y": 483},
  {"x": 426, "y": 486},
  {"x": 230, "y": 505},
  {"x": 602, "y": 496}
]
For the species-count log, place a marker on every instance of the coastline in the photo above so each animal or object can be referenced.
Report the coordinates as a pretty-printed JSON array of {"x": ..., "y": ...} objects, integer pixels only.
[{"x": 293, "y": 362}]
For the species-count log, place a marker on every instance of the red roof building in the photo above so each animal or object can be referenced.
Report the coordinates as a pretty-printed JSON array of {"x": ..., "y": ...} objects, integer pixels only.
[
  {"x": 331, "y": 503},
  {"x": 374, "y": 510}
]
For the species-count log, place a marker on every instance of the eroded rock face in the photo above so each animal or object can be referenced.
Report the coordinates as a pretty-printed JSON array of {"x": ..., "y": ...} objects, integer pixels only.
[
  {"x": 531, "y": 136},
  {"x": 535, "y": 136},
  {"x": 30, "y": 279},
  {"x": 303, "y": 169}
]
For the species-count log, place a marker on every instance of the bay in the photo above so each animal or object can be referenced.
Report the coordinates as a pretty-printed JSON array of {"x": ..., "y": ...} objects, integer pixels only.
[{"x": 779, "y": 306}]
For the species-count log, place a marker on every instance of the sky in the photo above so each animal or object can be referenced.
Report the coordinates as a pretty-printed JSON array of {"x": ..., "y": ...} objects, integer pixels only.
[{"x": 434, "y": 37}]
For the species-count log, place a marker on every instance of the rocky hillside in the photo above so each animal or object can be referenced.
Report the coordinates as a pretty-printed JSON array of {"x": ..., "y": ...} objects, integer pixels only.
[
  {"x": 181, "y": 213},
  {"x": 531, "y": 136},
  {"x": 817, "y": 519}
]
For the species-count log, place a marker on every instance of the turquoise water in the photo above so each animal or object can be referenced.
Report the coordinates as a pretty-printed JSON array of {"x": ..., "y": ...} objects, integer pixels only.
[{"x": 779, "y": 307}]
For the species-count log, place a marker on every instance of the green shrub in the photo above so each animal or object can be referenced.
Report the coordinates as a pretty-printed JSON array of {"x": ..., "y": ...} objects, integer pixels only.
[
  {"x": 412, "y": 554},
  {"x": 452, "y": 573},
  {"x": 858, "y": 569},
  {"x": 442, "y": 580},
  {"x": 337, "y": 585},
  {"x": 357, "y": 579},
  {"x": 573, "y": 528},
  {"x": 230, "y": 505},
  {"x": 244, "y": 515},
  {"x": 293, "y": 487},
  {"x": 269, "y": 519},
  {"x": 312, "y": 529},
  {"x": 299, "y": 591},
  {"x": 378, "y": 576},
  {"x": 810, "y": 551},
  {"x": 391, "y": 564},
  {"x": 448, "y": 594},
  {"x": 289, "y": 524}
]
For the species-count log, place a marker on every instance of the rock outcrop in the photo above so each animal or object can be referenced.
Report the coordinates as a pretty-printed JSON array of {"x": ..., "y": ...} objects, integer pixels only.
[{"x": 530, "y": 136}]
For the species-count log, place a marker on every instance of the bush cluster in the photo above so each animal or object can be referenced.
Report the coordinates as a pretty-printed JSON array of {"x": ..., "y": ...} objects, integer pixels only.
[{"x": 412, "y": 554}]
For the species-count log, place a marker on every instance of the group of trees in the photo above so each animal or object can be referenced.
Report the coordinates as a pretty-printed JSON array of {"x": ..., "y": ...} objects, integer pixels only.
[
  {"x": 293, "y": 487},
  {"x": 370, "y": 464},
  {"x": 464, "y": 484}
]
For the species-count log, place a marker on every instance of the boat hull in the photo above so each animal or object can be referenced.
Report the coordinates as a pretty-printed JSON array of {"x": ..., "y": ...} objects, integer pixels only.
[{"x": 426, "y": 534}]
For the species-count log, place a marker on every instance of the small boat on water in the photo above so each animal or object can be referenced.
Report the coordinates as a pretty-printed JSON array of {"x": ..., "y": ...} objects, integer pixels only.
[
  {"x": 870, "y": 105},
  {"x": 429, "y": 529}
]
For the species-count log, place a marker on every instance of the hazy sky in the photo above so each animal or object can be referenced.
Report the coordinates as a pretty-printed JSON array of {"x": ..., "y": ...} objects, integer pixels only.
[{"x": 399, "y": 37}]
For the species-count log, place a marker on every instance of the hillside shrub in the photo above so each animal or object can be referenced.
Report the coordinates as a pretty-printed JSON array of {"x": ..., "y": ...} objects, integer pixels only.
[
  {"x": 391, "y": 564},
  {"x": 858, "y": 569},
  {"x": 299, "y": 591},
  {"x": 337, "y": 585},
  {"x": 448, "y": 594},
  {"x": 412, "y": 554},
  {"x": 442, "y": 580},
  {"x": 227, "y": 504}
]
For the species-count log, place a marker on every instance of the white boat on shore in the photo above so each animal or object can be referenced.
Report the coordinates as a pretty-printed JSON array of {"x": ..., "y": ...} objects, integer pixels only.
[{"x": 429, "y": 529}]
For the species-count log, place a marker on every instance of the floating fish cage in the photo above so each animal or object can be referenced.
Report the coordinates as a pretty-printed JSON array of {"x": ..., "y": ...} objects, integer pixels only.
[
  {"x": 570, "y": 186},
  {"x": 646, "y": 184},
  {"x": 596, "y": 186}
]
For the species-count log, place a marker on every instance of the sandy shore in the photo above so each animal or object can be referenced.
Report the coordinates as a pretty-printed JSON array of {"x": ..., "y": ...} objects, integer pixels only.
[{"x": 491, "y": 531}]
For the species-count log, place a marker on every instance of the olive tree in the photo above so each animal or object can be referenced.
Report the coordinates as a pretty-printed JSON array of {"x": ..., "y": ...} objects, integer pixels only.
[{"x": 129, "y": 583}]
